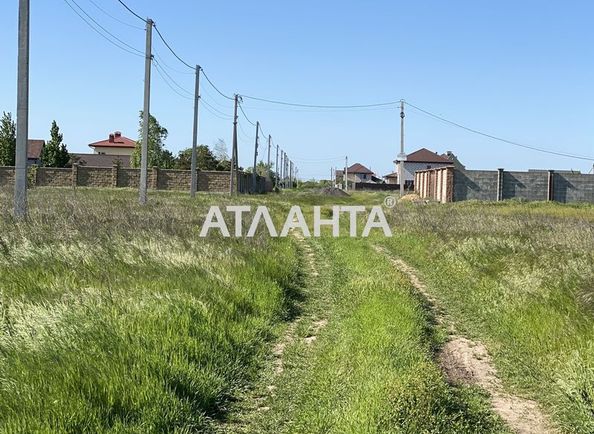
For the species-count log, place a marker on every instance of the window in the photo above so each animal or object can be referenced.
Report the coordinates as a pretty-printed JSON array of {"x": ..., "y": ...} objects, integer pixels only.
[
  {"x": 364, "y": 176},
  {"x": 428, "y": 166}
]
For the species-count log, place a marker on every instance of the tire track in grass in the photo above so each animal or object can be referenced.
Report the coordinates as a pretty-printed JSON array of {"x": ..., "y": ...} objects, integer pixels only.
[
  {"x": 465, "y": 361},
  {"x": 257, "y": 401}
]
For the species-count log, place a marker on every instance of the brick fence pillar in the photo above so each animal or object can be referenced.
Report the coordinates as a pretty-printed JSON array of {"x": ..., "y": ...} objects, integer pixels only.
[
  {"x": 499, "y": 184},
  {"x": 74, "y": 175},
  {"x": 550, "y": 187},
  {"x": 114, "y": 175},
  {"x": 449, "y": 194},
  {"x": 155, "y": 178}
]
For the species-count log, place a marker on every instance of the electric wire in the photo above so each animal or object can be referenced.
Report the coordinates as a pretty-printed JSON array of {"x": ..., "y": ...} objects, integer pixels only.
[
  {"x": 179, "y": 86},
  {"x": 472, "y": 130},
  {"x": 105, "y": 30},
  {"x": 113, "y": 17},
  {"x": 245, "y": 116},
  {"x": 131, "y": 11},
  {"x": 214, "y": 87},
  {"x": 160, "y": 72},
  {"x": 171, "y": 49},
  {"x": 388, "y": 103},
  {"x": 123, "y": 48}
]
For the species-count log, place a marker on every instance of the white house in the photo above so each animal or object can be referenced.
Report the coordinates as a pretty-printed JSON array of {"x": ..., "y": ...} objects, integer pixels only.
[{"x": 419, "y": 160}]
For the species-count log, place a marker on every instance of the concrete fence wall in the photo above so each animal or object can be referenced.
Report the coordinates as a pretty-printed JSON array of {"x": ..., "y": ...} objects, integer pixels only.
[
  {"x": 449, "y": 185},
  {"x": 158, "y": 179}
]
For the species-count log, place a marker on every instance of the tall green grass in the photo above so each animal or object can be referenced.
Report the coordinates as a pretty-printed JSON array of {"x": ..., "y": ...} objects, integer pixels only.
[
  {"x": 520, "y": 277},
  {"x": 119, "y": 318}
]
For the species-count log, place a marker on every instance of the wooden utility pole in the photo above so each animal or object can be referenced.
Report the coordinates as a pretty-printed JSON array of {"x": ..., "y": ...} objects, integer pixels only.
[
  {"x": 282, "y": 169},
  {"x": 194, "y": 175},
  {"x": 402, "y": 155},
  {"x": 234, "y": 147},
  {"x": 146, "y": 113},
  {"x": 254, "y": 175},
  {"x": 22, "y": 131}
]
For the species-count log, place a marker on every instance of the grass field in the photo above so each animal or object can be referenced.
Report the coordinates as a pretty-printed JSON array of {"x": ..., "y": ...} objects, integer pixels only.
[{"x": 118, "y": 318}]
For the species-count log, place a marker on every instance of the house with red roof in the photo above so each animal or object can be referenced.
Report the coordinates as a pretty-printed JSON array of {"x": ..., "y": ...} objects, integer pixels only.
[
  {"x": 115, "y": 144},
  {"x": 419, "y": 160}
]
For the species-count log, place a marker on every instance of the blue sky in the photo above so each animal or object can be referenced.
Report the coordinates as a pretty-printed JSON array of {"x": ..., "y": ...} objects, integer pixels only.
[{"x": 519, "y": 70}]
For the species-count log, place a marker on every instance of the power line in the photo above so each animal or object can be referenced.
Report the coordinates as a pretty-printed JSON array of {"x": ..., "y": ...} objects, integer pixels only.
[
  {"x": 546, "y": 151},
  {"x": 227, "y": 118},
  {"x": 163, "y": 64},
  {"x": 214, "y": 87},
  {"x": 135, "y": 52},
  {"x": 104, "y": 29},
  {"x": 173, "y": 80},
  {"x": 216, "y": 110},
  {"x": 172, "y": 50},
  {"x": 160, "y": 71},
  {"x": 131, "y": 11},
  {"x": 114, "y": 17},
  {"x": 245, "y": 116},
  {"x": 321, "y": 106}
]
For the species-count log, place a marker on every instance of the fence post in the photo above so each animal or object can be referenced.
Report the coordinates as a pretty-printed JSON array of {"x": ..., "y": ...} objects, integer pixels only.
[
  {"x": 155, "y": 178},
  {"x": 114, "y": 175},
  {"x": 550, "y": 186},
  {"x": 450, "y": 179},
  {"x": 499, "y": 185},
  {"x": 74, "y": 175}
]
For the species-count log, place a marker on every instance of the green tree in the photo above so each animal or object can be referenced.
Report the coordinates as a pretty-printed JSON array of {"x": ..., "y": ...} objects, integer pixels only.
[
  {"x": 7, "y": 140},
  {"x": 55, "y": 153},
  {"x": 205, "y": 160},
  {"x": 158, "y": 156}
]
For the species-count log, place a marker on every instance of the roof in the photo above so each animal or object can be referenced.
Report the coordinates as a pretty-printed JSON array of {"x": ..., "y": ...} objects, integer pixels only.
[
  {"x": 391, "y": 175},
  {"x": 359, "y": 168},
  {"x": 34, "y": 148},
  {"x": 101, "y": 160},
  {"x": 424, "y": 155},
  {"x": 115, "y": 140}
]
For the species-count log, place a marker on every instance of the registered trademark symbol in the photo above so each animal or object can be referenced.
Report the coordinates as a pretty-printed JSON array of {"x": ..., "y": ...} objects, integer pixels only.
[{"x": 390, "y": 201}]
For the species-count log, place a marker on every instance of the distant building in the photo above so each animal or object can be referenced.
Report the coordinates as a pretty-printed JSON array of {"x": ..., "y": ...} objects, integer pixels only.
[
  {"x": 34, "y": 151},
  {"x": 101, "y": 160},
  {"x": 116, "y": 144},
  {"x": 357, "y": 173},
  {"x": 419, "y": 160}
]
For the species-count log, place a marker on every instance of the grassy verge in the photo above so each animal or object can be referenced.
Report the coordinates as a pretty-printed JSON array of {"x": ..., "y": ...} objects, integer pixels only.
[
  {"x": 519, "y": 277},
  {"x": 370, "y": 370},
  {"x": 119, "y": 318}
]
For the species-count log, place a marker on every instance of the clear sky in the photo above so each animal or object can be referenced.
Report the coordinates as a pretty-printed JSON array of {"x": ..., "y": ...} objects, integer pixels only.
[{"x": 522, "y": 70}]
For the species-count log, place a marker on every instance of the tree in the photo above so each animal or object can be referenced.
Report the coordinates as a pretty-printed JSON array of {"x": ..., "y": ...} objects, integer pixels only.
[
  {"x": 55, "y": 153},
  {"x": 7, "y": 140},
  {"x": 157, "y": 155},
  {"x": 205, "y": 160}
]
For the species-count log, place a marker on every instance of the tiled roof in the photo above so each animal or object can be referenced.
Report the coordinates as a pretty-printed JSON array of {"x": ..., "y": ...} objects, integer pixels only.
[
  {"x": 359, "y": 168},
  {"x": 424, "y": 155},
  {"x": 115, "y": 140},
  {"x": 34, "y": 148}
]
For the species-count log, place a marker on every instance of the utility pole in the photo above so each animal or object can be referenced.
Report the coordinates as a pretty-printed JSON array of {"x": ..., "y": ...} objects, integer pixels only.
[
  {"x": 254, "y": 175},
  {"x": 276, "y": 168},
  {"x": 268, "y": 161},
  {"x": 234, "y": 146},
  {"x": 402, "y": 155},
  {"x": 22, "y": 132},
  {"x": 346, "y": 173},
  {"x": 146, "y": 112},
  {"x": 290, "y": 174},
  {"x": 282, "y": 169},
  {"x": 194, "y": 176}
]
